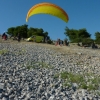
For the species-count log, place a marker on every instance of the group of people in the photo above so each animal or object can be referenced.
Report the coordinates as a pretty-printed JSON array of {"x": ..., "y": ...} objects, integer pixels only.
[
  {"x": 18, "y": 37},
  {"x": 4, "y": 36},
  {"x": 62, "y": 43},
  {"x": 92, "y": 45},
  {"x": 58, "y": 42}
]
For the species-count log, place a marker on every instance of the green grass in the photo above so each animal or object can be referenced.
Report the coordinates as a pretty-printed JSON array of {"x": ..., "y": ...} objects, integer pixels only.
[
  {"x": 74, "y": 78},
  {"x": 66, "y": 83},
  {"x": 64, "y": 75},
  {"x": 56, "y": 76},
  {"x": 21, "y": 52},
  {"x": 83, "y": 83},
  {"x": 91, "y": 87},
  {"x": 45, "y": 65},
  {"x": 98, "y": 93},
  {"x": 94, "y": 83},
  {"x": 30, "y": 67},
  {"x": 3, "y": 52},
  {"x": 40, "y": 64}
]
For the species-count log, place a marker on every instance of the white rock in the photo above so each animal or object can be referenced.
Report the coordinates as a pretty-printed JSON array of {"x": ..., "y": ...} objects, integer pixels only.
[{"x": 1, "y": 85}]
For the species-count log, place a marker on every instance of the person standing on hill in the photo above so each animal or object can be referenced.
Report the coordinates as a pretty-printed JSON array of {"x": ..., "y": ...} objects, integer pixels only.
[{"x": 19, "y": 37}]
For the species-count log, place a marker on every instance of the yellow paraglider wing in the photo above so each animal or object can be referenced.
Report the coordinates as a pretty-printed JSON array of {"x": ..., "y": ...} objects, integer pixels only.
[{"x": 48, "y": 8}]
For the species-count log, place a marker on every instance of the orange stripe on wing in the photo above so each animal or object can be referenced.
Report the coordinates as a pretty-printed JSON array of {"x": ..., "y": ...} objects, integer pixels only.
[{"x": 47, "y": 4}]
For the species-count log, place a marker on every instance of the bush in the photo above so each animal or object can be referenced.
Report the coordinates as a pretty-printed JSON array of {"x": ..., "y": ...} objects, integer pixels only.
[
  {"x": 49, "y": 42},
  {"x": 97, "y": 41},
  {"x": 87, "y": 41}
]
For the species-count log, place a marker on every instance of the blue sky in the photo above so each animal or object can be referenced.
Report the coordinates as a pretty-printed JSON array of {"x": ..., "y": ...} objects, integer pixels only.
[{"x": 82, "y": 14}]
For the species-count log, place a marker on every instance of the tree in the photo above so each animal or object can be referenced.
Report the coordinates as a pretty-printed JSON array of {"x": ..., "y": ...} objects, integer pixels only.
[
  {"x": 40, "y": 32},
  {"x": 10, "y": 31},
  {"x": 76, "y": 35},
  {"x": 23, "y": 30},
  {"x": 26, "y": 32},
  {"x": 13, "y": 31},
  {"x": 35, "y": 31},
  {"x": 87, "y": 41},
  {"x": 97, "y": 37},
  {"x": 83, "y": 33},
  {"x": 31, "y": 31},
  {"x": 72, "y": 34},
  {"x": 45, "y": 34}
]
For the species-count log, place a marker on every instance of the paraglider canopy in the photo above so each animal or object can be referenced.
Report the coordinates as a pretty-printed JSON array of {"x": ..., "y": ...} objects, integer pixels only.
[{"x": 48, "y": 8}]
